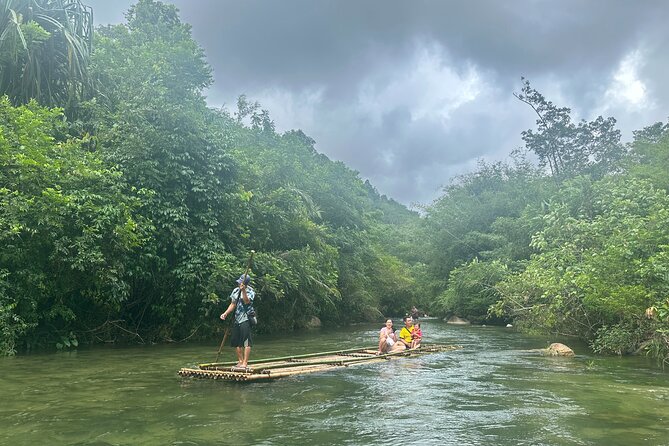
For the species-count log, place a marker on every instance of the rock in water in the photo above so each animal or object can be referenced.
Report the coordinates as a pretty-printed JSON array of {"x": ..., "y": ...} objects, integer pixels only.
[
  {"x": 557, "y": 349},
  {"x": 454, "y": 320},
  {"x": 313, "y": 323}
]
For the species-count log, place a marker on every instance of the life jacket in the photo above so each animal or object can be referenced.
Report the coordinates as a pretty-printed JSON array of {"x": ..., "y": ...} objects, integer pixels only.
[{"x": 405, "y": 334}]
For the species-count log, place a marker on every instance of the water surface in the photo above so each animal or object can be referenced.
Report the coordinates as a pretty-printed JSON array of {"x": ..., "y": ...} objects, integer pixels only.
[{"x": 493, "y": 391}]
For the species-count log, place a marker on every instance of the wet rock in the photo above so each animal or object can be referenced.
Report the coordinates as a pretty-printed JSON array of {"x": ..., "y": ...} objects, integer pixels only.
[
  {"x": 313, "y": 323},
  {"x": 454, "y": 320},
  {"x": 557, "y": 349}
]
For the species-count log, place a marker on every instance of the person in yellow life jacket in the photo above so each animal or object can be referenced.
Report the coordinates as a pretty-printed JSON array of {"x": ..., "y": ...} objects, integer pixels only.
[{"x": 405, "y": 335}]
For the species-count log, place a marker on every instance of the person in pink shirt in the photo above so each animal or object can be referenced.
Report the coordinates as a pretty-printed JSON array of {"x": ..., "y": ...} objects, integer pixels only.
[
  {"x": 387, "y": 337},
  {"x": 416, "y": 335}
]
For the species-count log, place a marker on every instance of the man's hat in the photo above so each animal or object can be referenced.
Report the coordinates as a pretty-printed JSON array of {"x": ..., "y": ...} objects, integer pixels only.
[{"x": 244, "y": 278}]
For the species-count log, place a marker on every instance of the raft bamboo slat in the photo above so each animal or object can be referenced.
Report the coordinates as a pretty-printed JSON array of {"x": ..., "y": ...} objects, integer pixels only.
[
  {"x": 271, "y": 368},
  {"x": 285, "y": 358}
]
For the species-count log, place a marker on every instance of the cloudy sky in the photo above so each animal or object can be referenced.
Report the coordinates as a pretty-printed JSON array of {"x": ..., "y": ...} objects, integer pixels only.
[{"x": 412, "y": 93}]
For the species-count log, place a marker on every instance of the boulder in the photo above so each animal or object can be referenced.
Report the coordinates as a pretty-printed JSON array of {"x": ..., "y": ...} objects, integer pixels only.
[
  {"x": 454, "y": 320},
  {"x": 557, "y": 349},
  {"x": 313, "y": 323}
]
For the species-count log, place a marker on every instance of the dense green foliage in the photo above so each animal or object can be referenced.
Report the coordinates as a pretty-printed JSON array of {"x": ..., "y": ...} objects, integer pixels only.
[
  {"x": 577, "y": 251},
  {"x": 477, "y": 215},
  {"x": 135, "y": 228},
  {"x": 66, "y": 226},
  {"x": 602, "y": 256},
  {"x": 44, "y": 51},
  {"x": 472, "y": 289},
  {"x": 127, "y": 212},
  {"x": 154, "y": 125}
]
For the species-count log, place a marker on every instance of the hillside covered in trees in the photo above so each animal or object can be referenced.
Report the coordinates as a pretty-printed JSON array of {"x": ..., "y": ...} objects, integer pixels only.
[
  {"x": 128, "y": 206},
  {"x": 127, "y": 213}
]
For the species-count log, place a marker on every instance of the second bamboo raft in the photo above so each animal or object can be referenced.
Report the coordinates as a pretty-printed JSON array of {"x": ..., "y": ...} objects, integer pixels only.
[{"x": 271, "y": 368}]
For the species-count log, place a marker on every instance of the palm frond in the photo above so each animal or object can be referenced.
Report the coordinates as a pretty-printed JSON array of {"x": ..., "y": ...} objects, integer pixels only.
[{"x": 52, "y": 70}]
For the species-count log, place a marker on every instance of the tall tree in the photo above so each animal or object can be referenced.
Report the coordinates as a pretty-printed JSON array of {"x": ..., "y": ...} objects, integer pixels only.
[
  {"x": 152, "y": 121},
  {"x": 649, "y": 156},
  {"x": 567, "y": 148}
]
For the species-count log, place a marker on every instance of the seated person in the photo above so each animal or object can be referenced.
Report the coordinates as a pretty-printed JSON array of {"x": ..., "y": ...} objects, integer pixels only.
[
  {"x": 416, "y": 335},
  {"x": 405, "y": 335},
  {"x": 387, "y": 337}
]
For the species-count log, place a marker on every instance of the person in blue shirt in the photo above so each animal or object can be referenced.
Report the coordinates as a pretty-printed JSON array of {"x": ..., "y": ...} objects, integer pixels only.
[{"x": 241, "y": 301}]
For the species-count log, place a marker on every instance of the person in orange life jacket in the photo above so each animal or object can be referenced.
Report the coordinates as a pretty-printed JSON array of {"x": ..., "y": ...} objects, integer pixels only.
[{"x": 241, "y": 300}]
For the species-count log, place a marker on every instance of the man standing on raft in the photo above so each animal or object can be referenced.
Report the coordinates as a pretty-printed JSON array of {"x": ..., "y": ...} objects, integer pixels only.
[{"x": 241, "y": 301}]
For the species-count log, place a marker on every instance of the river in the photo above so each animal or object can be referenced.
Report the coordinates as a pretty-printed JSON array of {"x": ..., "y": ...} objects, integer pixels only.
[{"x": 493, "y": 391}]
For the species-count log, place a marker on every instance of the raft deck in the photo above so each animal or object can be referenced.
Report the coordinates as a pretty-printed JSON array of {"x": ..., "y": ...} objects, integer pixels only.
[{"x": 272, "y": 368}]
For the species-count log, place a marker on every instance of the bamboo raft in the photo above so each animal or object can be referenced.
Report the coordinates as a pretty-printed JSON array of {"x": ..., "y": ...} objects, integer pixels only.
[{"x": 272, "y": 368}]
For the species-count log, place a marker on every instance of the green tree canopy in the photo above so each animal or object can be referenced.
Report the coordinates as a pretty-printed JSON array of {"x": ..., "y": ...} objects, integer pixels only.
[
  {"x": 601, "y": 262},
  {"x": 567, "y": 148},
  {"x": 67, "y": 223}
]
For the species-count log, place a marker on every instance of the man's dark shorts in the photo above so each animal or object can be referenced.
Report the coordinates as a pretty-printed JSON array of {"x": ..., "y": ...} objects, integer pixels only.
[{"x": 241, "y": 335}]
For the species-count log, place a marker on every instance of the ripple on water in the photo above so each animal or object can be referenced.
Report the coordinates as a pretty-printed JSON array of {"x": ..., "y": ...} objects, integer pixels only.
[{"x": 493, "y": 391}]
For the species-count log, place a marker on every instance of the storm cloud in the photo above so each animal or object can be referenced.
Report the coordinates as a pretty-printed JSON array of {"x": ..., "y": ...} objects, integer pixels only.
[{"x": 411, "y": 94}]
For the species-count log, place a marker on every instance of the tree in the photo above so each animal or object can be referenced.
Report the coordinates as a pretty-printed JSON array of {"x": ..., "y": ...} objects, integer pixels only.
[
  {"x": 466, "y": 222},
  {"x": 151, "y": 120},
  {"x": 44, "y": 51},
  {"x": 67, "y": 223},
  {"x": 570, "y": 149},
  {"x": 472, "y": 289},
  {"x": 601, "y": 262},
  {"x": 649, "y": 157}
]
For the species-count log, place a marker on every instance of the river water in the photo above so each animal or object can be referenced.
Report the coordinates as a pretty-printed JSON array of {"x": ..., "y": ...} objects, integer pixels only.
[{"x": 493, "y": 391}]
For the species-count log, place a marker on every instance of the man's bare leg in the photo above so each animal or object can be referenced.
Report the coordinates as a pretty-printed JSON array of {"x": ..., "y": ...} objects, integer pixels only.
[
  {"x": 245, "y": 359},
  {"x": 240, "y": 357}
]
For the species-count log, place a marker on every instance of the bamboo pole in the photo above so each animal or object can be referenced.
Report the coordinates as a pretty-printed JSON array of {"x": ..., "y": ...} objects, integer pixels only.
[
  {"x": 274, "y": 375},
  {"x": 285, "y": 358},
  {"x": 225, "y": 337},
  {"x": 341, "y": 361},
  {"x": 337, "y": 361},
  {"x": 420, "y": 350}
]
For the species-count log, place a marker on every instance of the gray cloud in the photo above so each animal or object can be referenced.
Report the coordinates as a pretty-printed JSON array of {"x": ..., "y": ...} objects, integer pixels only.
[{"x": 412, "y": 93}]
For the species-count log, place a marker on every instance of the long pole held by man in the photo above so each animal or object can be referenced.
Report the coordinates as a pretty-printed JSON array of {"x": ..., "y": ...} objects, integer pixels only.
[{"x": 241, "y": 301}]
